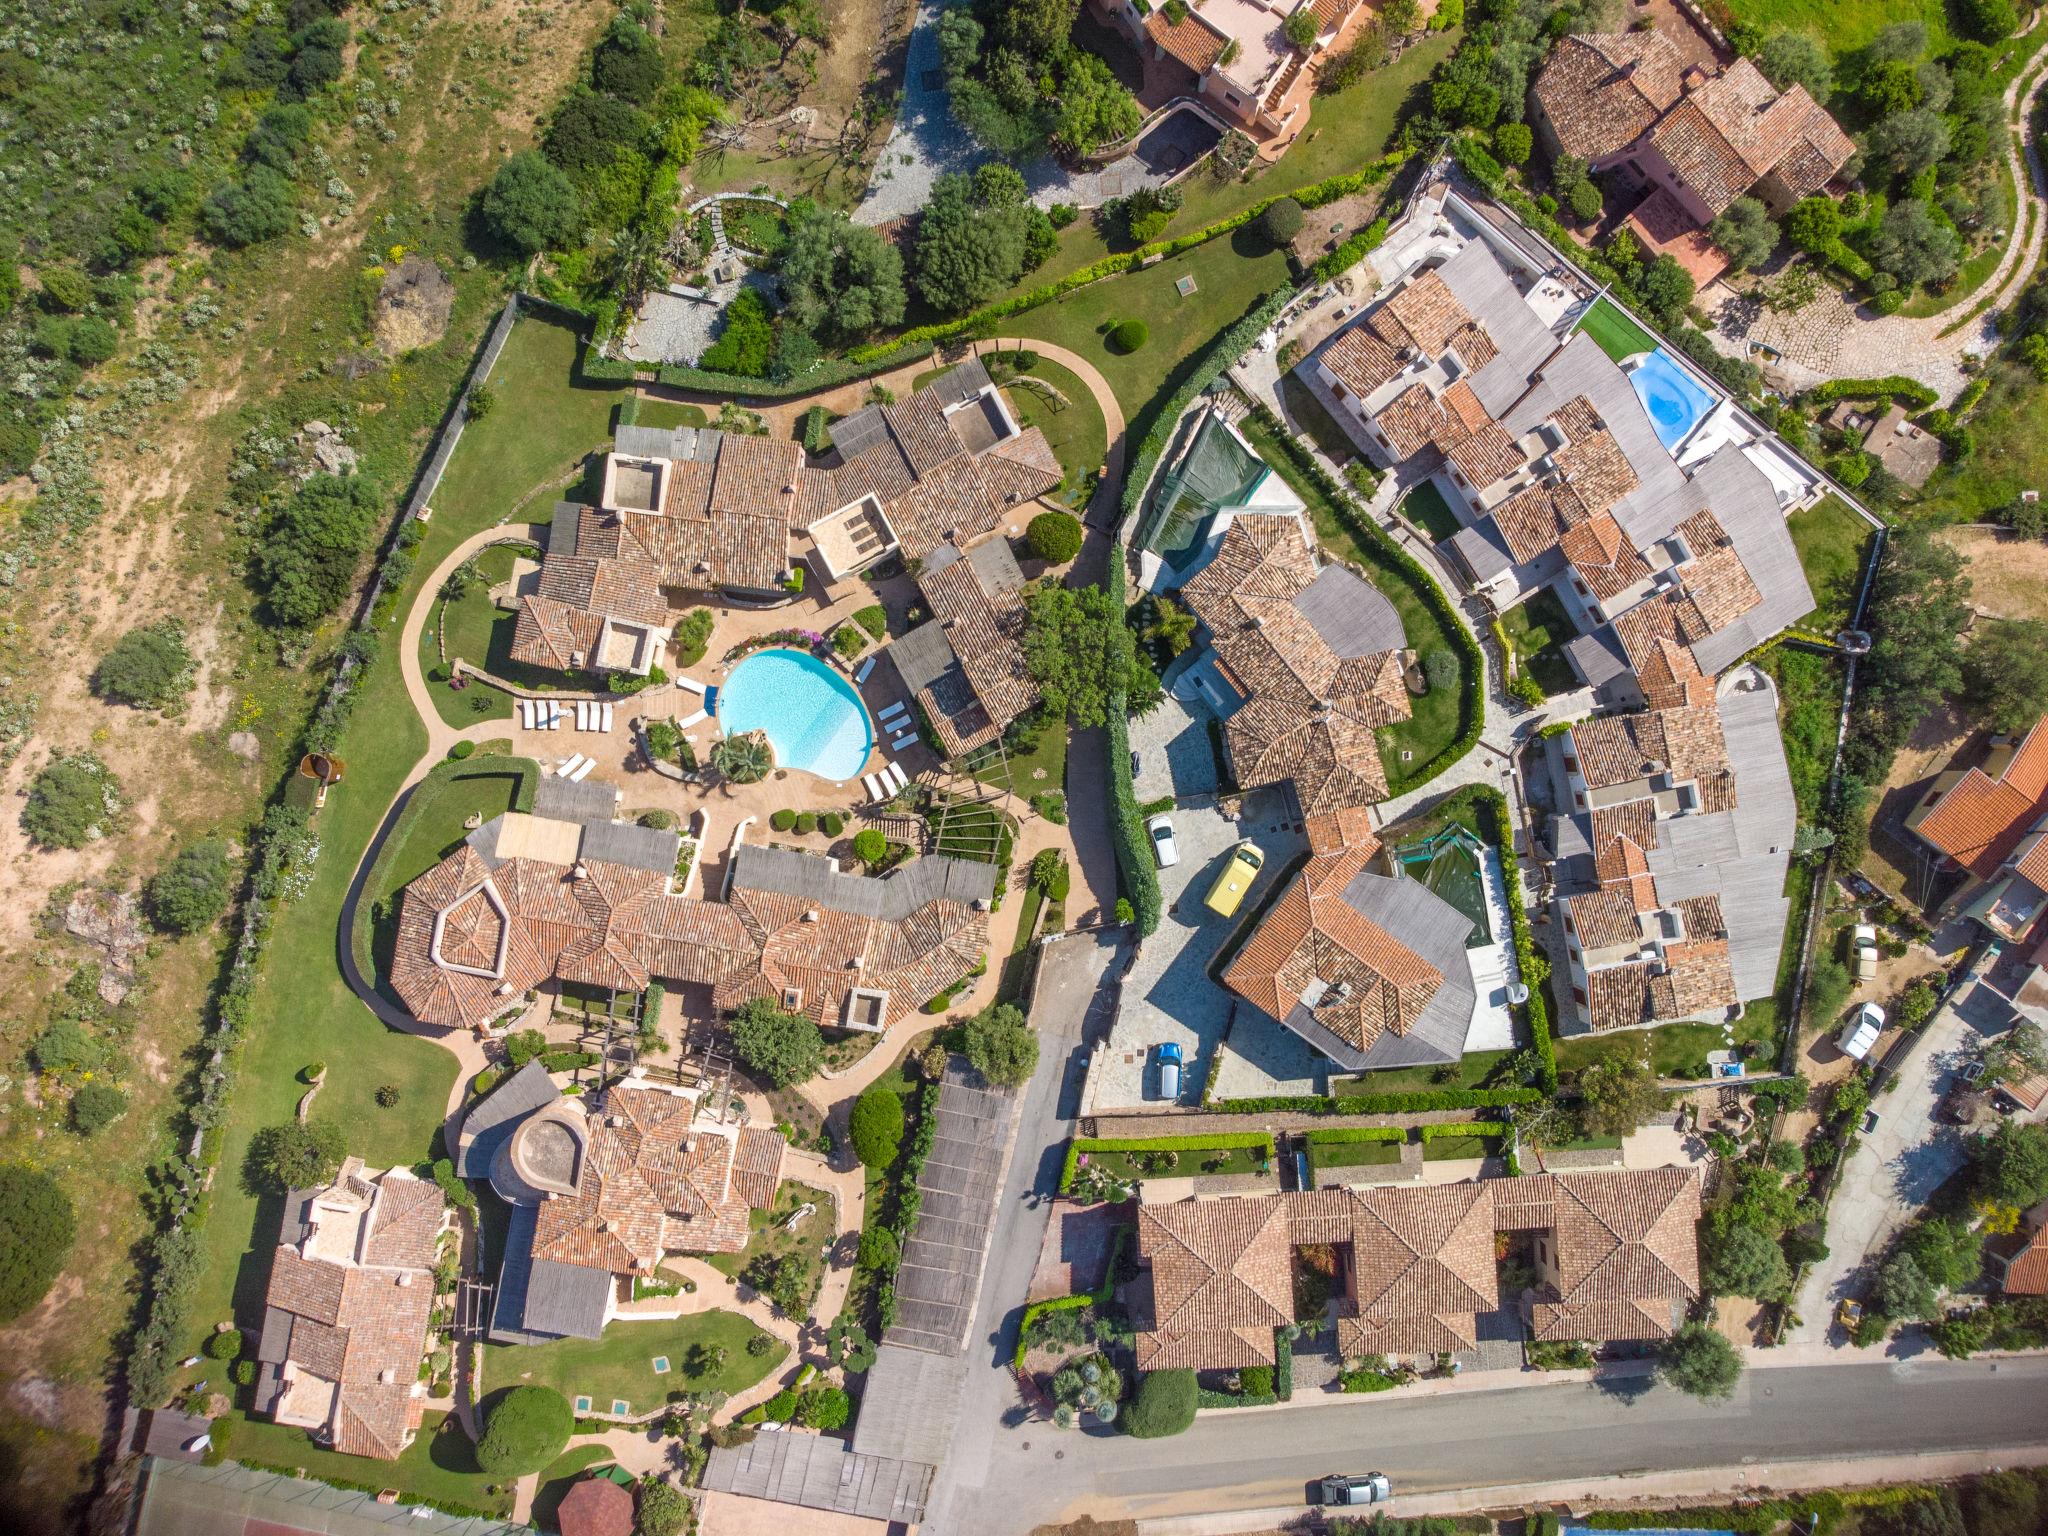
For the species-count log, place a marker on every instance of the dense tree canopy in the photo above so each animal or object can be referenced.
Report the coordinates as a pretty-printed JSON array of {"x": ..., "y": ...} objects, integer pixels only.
[
  {"x": 782, "y": 1049},
  {"x": 1001, "y": 1046},
  {"x": 1746, "y": 233},
  {"x": 1618, "y": 1089},
  {"x": 1744, "y": 1260},
  {"x": 979, "y": 234},
  {"x": 531, "y": 205},
  {"x": 841, "y": 279},
  {"x": 1080, "y": 652},
  {"x": 525, "y": 1428},
  {"x": 1700, "y": 1362},
  {"x": 297, "y": 1154},
  {"x": 1163, "y": 1405},
  {"x": 36, "y": 1228},
  {"x": 191, "y": 891},
  {"x": 2005, "y": 672},
  {"x": 1793, "y": 58},
  {"x": 150, "y": 667},
  {"x": 314, "y": 545}
]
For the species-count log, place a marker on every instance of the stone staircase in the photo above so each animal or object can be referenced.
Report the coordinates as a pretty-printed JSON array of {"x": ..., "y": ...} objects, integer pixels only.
[
  {"x": 1278, "y": 94},
  {"x": 720, "y": 246}
]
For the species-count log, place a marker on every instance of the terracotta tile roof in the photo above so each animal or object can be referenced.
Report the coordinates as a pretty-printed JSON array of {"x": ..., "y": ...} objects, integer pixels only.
[
  {"x": 1594, "y": 467},
  {"x": 1190, "y": 40},
  {"x": 1360, "y": 360},
  {"x": 1661, "y": 659},
  {"x": 1714, "y": 586},
  {"x": 1349, "y": 829},
  {"x": 1818, "y": 151},
  {"x": 1729, "y": 133},
  {"x": 360, "y": 1321},
  {"x": 1604, "y": 917},
  {"x": 1687, "y": 742},
  {"x": 1413, "y": 420},
  {"x": 1603, "y": 91},
  {"x": 1424, "y": 314},
  {"x": 1602, "y": 555},
  {"x": 1313, "y": 949},
  {"x": 986, "y": 632},
  {"x": 1528, "y": 522},
  {"x": 1222, "y": 1281},
  {"x": 619, "y": 926},
  {"x": 1310, "y": 714},
  {"x": 655, "y": 1181},
  {"x": 1421, "y": 1264},
  {"x": 1980, "y": 820},
  {"x": 1487, "y": 454},
  {"x": 2026, "y": 1272}
]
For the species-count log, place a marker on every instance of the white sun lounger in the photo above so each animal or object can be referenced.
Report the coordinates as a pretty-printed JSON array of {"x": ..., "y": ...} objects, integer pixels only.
[
  {"x": 526, "y": 714},
  {"x": 554, "y": 717},
  {"x": 907, "y": 739},
  {"x": 583, "y": 720},
  {"x": 893, "y": 707},
  {"x": 902, "y": 778},
  {"x": 866, "y": 667},
  {"x": 895, "y": 722},
  {"x": 605, "y": 716},
  {"x": 568, "y": 765},
  {"x": 690, "y": 683},
  {"x": 584, "y": 772},
  {"x": 689, "y": 720},
  {"x": 873, "y": 783}
]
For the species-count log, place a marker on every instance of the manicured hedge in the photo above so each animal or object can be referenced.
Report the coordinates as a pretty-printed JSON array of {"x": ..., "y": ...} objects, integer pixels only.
[
  {"x": 1350, "y": 1135},
  {"x": 1219, "y": 1142},
  {"x": 1898, "y": 386},
  {"x": 1378, "y": 1103},
  {"x": 1134, "y": 861},
  {"x": 1362, "y": 527},
  {"x": 1464, "y": 1128},
  {"x": 1222, "y": 352},
  {"x": 1350, "y": 253},
  {"x": 1531, "y": 963}
]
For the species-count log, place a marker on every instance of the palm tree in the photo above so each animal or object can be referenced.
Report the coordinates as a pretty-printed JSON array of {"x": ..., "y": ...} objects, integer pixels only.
[
  {"x": 743, "y": 759},
  {"x": 635, "y": 251}
]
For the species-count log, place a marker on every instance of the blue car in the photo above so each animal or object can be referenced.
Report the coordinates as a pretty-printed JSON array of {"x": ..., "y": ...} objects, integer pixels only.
[{"x": 1169, "y": 1071}]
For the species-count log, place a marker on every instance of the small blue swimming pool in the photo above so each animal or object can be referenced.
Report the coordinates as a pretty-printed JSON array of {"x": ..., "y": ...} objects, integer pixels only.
[
  {"x": 1674, "y": 402},
  {"x": 812, "y": 716}
]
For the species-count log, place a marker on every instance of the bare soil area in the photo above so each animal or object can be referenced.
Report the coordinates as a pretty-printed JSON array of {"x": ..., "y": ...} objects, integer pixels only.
[{"x": 2008, "y": 575}]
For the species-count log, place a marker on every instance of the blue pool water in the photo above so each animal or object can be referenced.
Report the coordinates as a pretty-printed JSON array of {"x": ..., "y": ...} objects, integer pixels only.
[
  {"x": 813, "y": 718},
  {"x": 1674, "y": 402}
]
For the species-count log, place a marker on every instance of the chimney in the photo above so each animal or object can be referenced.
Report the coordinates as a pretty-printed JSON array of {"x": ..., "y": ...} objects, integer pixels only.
[
  {"x": 811, "y": 915},
  {"x": 388, "y": 1376},
  {"x": 405, "y": 1277},
  {"x": 581, "y": 871}
]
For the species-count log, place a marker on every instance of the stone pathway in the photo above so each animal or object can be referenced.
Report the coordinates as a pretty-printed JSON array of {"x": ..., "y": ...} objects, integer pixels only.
[{"x": 1830, "y": 338}]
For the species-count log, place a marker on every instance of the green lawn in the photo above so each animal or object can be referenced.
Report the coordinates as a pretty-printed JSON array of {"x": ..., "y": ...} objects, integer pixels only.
[
  {"x": 1041, "y": 764},
  {"x": 433, "y": 828},
  {"x": 1232, "y": 274},
  {"x": 1539, "y": 629},
  {"x": 303, "y": 1011},
  {"x": 1809, "y": 707},
  {"x": 621, "y": 1364},
  {"x": 2011, "y": 456},
  {"x": 1353, "y": 1154},
  {"x": 1832, "y": 540},
  {"x": 1426, "y": 508},
  {"x": 1446, "y": 1149},
  {"x": 440, "y": 1465},
  {"x": 1844, "y": 28},
  {"x": 670, "y": 413},
  {"x": 1473, "y": 1071},
  {"x": 469, "y": 629},
  {"x": 1676, "y": 1050},
  {"x": 1433, "y": 727},
  {"x": 1346, "y": 130},
  {"x": 1617, "y": 335}
]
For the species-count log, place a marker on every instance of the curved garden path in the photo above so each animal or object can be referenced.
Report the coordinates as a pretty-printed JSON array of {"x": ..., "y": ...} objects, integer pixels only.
[{"x": 1832, "y": 338}]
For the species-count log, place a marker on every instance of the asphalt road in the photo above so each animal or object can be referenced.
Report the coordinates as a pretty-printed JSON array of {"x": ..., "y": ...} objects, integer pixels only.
[{"x": 1516, "y": 1435}]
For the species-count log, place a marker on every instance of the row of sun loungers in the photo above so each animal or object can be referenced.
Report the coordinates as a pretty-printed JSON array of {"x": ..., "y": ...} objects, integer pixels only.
[
  {"x": 886, "y": 783},
  {"x": 545, "y": 715},
  {"x": 576, "y": 769}
]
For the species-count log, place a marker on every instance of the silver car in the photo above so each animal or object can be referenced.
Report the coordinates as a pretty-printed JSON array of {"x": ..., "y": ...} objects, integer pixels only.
[
  {"x": 1373, "y": 1488},
  {"x": 1160, "y": 828}
]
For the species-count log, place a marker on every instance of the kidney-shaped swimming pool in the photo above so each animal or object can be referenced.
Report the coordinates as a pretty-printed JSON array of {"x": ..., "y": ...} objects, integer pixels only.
[{"x": 812, "y": 716}]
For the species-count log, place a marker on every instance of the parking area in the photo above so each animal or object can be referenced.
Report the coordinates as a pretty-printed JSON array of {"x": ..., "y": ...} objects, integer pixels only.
[
  {"x": 1168, "y": 995},
  {"x": 1176, "y": 748}
]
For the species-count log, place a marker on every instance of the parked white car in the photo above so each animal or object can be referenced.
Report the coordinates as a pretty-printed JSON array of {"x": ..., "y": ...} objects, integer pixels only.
[
  {"x": 1861, "y": 1032},
  {"x": 1160, "y": 828}
]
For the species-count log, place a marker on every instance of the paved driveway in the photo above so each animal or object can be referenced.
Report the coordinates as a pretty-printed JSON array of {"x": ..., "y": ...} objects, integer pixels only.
[
  {"x": 1168, "y": 994},
  {"x": 1898, "y": 1166},
  {"x": 1176, "y": 751}
]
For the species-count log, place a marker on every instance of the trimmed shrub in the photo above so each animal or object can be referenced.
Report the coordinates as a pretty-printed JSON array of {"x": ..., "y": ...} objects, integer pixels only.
[
  {"x": 1129, "y": 335},
  {"x": 832, "y": 823},
  {"x": 150, "y": 668},
  {"x": 224, "y": 1345},
  {"x": 191, "y": 891},
  {"x": 877, "y": 1126},
  {"x": 1163, "y": 1405},
  {"x": 1282, "y": 220},
  {"x": 96, "y": 1106},
  {"x": 782, "y": 821},
  {"x": 525, "y": 1428},
  {"x": 1055, "y": 537},
  {"x": 806, "y": 823},
  {"x": 461, "y": 750}
]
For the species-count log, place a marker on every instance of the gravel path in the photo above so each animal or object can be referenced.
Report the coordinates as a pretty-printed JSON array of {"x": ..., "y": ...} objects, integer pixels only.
[{"x": 1831, "y": 338}]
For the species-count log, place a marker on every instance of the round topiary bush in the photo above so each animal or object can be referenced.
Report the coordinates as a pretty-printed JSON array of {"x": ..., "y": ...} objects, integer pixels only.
[
  {"x": 1129, "y": 335},
  {"x": 224, "y": 1345},
  {"x": 1055, "y": 537},
  {"x": 243, "y": 1373},
  {"x": 1282, "y": 220},
  {"x": 806, "y": 823},
  {"x": 1164, "y": 1405},
  {"x": 870, "y": 846},
  {"x": 877, "y": 1125},
  {"x": 782, "y": 820},
  {"x": 525, "y": 1428},
  {"x": 832, "y": 823},
  {"x": 462, "y": 749}
]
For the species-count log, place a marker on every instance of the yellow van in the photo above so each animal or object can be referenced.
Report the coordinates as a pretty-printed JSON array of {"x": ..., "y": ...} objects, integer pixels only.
[{"x": 1246, "y": 860}]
